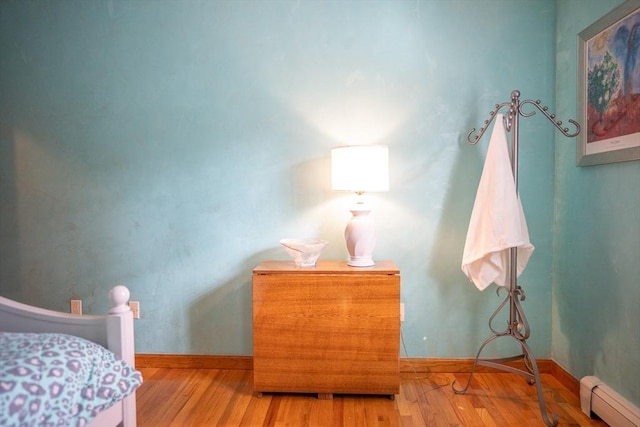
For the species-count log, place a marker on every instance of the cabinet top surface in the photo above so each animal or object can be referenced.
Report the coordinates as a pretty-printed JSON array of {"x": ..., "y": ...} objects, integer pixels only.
[{"x": 325, "y": 267}]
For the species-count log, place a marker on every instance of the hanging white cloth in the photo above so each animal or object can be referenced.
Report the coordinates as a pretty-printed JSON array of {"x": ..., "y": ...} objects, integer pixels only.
[{"x": 497, "y": 220}]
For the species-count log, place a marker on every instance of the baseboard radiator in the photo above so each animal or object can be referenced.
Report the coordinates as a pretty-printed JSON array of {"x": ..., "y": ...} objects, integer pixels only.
[{"x": 599, "y": 399}]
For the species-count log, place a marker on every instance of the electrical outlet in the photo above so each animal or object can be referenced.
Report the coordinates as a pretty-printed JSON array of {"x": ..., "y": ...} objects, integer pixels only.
[
  {"x": 135, "y": 308},
  {"x": 76, "y": 306},
  {"x": 402, "y": 312}
]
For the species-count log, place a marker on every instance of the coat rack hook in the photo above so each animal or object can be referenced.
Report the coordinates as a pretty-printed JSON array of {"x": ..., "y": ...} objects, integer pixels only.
[
  {"x": 551, "y": 117},
  {"x": 473, "y": 139}
]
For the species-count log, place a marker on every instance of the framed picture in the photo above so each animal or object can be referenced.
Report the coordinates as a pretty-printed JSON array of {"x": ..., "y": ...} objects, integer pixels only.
[{"x": 609, "y": 87}]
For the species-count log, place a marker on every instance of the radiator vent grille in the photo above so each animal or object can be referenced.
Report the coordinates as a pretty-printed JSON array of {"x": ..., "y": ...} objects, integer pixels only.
[{"x": 599, "y": 399}]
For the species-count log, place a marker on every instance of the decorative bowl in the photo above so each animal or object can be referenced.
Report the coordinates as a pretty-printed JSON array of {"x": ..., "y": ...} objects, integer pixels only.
[{"x": 305, "y": 252}]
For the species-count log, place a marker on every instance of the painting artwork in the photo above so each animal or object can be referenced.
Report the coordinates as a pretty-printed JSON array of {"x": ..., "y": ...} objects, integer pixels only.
[{"x": 609, "y": 96}]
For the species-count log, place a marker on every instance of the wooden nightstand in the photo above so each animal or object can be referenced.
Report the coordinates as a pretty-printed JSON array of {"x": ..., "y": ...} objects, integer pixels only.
[{"x": 328, "y": 329}]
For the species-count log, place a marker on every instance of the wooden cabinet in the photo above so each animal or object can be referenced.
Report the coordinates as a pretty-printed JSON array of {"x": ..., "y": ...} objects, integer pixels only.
[{"x": 328, "y": 329}]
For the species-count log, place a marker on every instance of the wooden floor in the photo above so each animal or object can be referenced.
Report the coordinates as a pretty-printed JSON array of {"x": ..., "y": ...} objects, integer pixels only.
[{"x": 217, "y": 397}]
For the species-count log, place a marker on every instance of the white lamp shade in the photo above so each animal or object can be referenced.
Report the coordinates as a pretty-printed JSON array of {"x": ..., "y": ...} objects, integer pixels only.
[{"x": 360, "y": 168}]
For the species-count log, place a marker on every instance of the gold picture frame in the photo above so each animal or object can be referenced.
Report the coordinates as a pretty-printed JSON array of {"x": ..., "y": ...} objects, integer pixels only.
[{"x": 609, "y": 87}]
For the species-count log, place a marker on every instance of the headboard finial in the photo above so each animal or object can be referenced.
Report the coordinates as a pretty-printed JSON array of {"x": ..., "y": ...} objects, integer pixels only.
[{"x": 119, "y": 297}]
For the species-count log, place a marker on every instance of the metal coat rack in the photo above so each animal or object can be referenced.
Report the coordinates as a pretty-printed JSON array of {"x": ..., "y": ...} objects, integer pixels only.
[{"x": 518, "y": 326}]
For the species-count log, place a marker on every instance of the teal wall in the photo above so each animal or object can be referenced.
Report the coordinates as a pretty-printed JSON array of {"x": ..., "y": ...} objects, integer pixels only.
[
  {"x": 169, "y": 145},
  {"x": 596, "y": 291}
]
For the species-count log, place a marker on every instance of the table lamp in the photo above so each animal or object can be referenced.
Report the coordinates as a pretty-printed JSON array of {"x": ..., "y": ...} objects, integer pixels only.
[{"x": 360, "y": 168}]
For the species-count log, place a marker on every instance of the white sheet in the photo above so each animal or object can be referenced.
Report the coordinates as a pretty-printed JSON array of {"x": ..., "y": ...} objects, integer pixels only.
[{"x": 497, "y": 220}]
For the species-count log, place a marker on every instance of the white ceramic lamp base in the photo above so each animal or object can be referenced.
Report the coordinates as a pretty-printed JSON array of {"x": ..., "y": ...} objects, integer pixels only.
[{"x": 360, "y": 236}]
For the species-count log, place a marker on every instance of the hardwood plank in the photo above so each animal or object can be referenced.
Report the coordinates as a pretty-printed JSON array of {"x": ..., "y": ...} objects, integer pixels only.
[
  {"x": 338, "y": 412},
  {"x": 493, "y": 408},
  {"x": 318, "y": 411},
  {"x": 168, "y": 391},
  {"x": 407, "y": 404},
  {"x": 352, "y": 415},
  {"x": 465, "y": 410},
  {"x": 258, "y": 410},
  {"x": 240, "y": 400},
  {"x": 213, "y": 396},
  {"x": 486, "y": 418}
]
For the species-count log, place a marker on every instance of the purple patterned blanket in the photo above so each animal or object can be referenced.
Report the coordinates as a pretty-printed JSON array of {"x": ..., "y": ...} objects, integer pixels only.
[{"x": 58, "y": 380}]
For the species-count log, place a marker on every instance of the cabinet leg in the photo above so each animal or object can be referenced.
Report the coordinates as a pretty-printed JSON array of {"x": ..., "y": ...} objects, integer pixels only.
[{"x": 325, "y": 396}]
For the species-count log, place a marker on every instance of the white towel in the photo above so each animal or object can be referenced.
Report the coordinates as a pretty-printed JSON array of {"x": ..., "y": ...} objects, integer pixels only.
[{"x": 497, "y": 220}]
